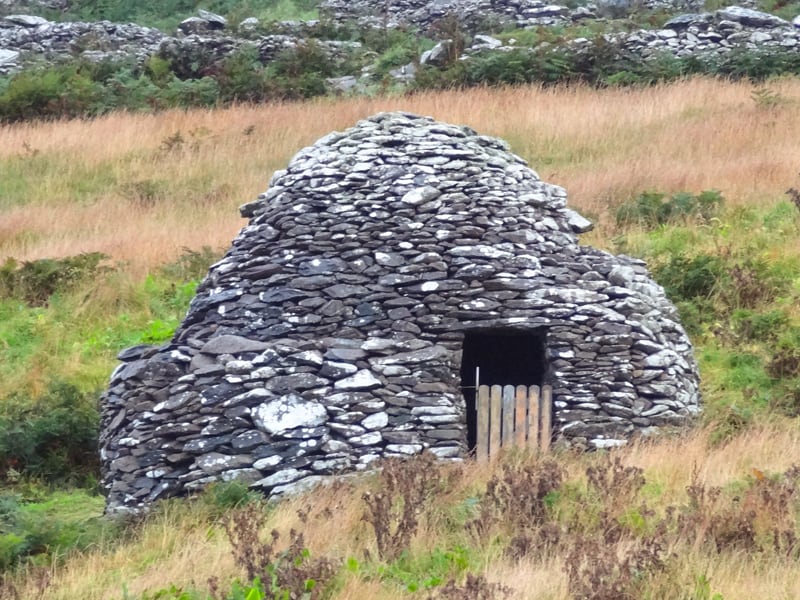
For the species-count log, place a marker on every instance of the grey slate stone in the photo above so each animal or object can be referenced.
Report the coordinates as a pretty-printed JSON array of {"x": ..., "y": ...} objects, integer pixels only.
[
  {"x": 232, "y": 344},
  {"x": 362, "y": 380},
  {"x": 750, "y": 17},
  {"x": 288, "y": 412}
]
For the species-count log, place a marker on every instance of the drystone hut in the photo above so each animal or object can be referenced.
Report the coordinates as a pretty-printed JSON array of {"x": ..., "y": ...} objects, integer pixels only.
[{"x": 346, "y": 321}]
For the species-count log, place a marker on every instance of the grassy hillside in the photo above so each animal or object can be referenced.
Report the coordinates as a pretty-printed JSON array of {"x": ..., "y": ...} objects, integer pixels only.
[{"x": 108, "y": 224}]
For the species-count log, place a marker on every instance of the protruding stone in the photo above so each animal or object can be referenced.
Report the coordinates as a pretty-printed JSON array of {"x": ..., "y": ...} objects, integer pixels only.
[
  {"x": 232, "y": 344},
  {"x": 375, "y": 421},
  {"x": 362, "y": 380},
  {"x": 288, "y": 412},
  {"x": 215, "y": 462},
  {"x": 280, "y": 478}
]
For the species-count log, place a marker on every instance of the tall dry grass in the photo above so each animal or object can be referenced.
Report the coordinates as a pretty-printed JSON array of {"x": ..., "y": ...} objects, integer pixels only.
[
  {"x": 181, "y": 546},
  {"x": 118, "y": 185}
]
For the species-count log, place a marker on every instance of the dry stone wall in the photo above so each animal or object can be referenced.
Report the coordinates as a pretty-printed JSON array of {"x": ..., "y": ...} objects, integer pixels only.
[
  {"x": 331, "y": 333},
  {"x": 26, "y": 39},
  {"x": 704, "y": 35},
  {"x": 480, "y": 15},
  {"x": 32, "y": 38},
  {"x": 715, "y": 32}
]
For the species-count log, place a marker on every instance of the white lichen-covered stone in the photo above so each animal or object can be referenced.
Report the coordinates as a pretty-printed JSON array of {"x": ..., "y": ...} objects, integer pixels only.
[
  {"x": 375, "y": 421},
  {"x": 280, "y": 478},
  {"x": 362, "y": 380},
  {"x": 288, "y": 412}
]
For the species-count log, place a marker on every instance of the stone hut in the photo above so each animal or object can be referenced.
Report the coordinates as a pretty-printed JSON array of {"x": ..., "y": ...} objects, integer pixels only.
[{"x": 346, "y": 321}]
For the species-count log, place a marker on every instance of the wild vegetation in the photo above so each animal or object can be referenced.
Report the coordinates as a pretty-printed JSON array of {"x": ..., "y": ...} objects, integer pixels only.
[
  {"x": 107, "y": 225},
  {"x": 719, "y": 523},
  {"x": 166, "y": 14},
  {"x": 185, "y": 78}
]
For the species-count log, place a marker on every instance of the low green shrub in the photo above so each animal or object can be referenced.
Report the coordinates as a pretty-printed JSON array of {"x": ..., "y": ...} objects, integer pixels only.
[
  {"x": 44, "y": 530},
  {"x": 690, "y": 278},
  {"x": 34, "y": 282},
  {"x": 520, "y": 66},
  {"x": 429, "y": 570},
  {"x": 751, "y": 282},
  {"x": 697, "y": 315},
  {"x": 300, "y": 72},
  {"x": 158, "y": 331},
  {"x": 222, "y": 497},
  {"x": 750, "y": 325},
  {"x": 187, "y": 76},
  {"x": 785, "y": 359},
  {"x": 755, "y": 65},
  {"x": 242, "y": 77},
  {"x": 384, "y": 40},
  {"x": 397, "y": 56},
  {"x": 651, "y": 209},
  {"x": 60, "y": 91},
  {"x": 191, "y": 92},
  {"x": 53, "y": 438}
]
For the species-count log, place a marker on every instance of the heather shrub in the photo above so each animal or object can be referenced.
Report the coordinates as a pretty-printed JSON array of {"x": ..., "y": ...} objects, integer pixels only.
[
  {"x": 651, "y": 209},
  {"x": 404, "y": 490},
  {"x": 34, "y": 282},
  {"x": 53, "y": 438}
]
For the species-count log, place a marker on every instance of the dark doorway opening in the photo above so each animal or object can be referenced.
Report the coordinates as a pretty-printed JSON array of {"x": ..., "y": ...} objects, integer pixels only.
[{"x": 505, "y": 357}]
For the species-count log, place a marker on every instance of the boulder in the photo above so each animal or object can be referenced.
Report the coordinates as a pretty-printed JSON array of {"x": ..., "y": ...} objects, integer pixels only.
[{"x": 751, "y": 18}]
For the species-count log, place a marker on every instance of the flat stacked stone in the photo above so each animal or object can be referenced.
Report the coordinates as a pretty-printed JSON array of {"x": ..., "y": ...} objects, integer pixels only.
[
  {"x": 330, "y": 335},
  {"x": 474, "y": 15},
  {"x": 706, "y": 36}
]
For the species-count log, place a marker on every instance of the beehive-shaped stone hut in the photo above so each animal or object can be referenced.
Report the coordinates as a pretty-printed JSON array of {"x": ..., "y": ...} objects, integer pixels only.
[{"x": 346, "y": 321}]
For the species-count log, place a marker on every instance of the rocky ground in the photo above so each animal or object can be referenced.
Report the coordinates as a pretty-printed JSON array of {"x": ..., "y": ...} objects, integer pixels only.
[{"x": 28, "y": 39}]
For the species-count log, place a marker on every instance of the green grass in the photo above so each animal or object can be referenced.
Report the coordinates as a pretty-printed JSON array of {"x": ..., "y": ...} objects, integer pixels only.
[
  {"x": 75, "y": 337},
  {"x": 46, "y": 525},
  {"x": 21, "y": 177},
  {"x": 786, "y": 9},
  {"x": 733, "y": 276}
]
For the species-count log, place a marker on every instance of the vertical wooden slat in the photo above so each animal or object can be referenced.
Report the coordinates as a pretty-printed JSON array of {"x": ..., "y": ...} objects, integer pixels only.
[
  {"x": 508, "y": 416},
  {"x": 533, "y": 418},
  {"x": 494, "y": 425},
  {"x": 520, "y": 416},
  {"x": 547, "y": 417},
  {"x": 482, "y": 440}
]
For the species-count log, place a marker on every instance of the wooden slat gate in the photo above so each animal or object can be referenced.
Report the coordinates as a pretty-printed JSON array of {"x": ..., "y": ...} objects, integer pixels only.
[{"x": 510, "y": 416}]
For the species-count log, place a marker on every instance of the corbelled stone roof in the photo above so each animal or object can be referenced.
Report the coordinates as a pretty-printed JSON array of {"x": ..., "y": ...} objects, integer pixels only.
[{"x": 331, "y": 333}]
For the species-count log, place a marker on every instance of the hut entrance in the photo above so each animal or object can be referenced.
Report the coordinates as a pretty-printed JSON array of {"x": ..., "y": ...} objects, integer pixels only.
[{"x": 499, "y": 357}]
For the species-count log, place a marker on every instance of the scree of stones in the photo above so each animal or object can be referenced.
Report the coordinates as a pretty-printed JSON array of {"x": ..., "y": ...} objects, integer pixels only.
[{"x": 337, "y": 328}]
